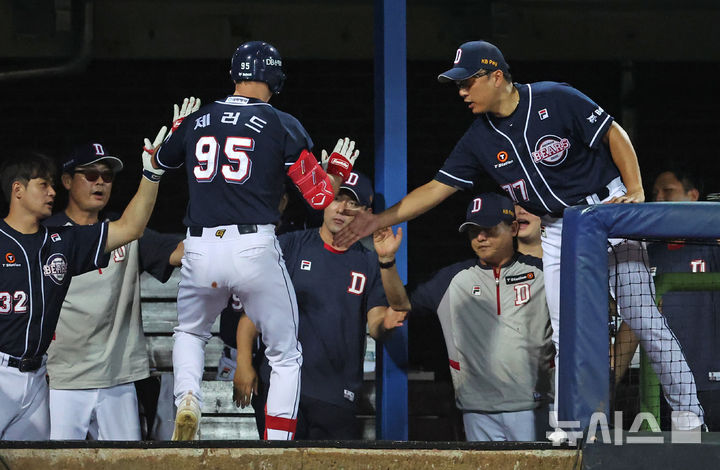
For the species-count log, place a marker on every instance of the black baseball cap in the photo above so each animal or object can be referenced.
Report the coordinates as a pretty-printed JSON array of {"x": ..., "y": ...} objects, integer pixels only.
[
  {"x": 360, "y": 187},
  {"x": 87, "y": 154},
  {"x": 488, "y": 210},
  {"x": 471, "y": 57}
]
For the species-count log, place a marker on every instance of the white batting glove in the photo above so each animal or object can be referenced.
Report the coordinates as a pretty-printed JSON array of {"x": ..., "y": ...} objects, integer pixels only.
[
  {"x": 189, "y": 106},
  {"x": 341, "y": 161},
  {"x": 149, "y": 171}
]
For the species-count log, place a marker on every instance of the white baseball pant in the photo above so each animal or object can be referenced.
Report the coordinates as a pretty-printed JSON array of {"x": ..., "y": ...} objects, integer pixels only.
[
  {"x": 635, "y": 299},
  {"x": 108, "y": 414},
  {"x": 222, "y": 262},
  {"x": 24, "y": 414}
]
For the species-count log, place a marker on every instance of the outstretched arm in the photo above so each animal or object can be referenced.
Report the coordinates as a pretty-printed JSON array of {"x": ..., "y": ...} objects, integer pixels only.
[
  {"x": 132, "y": 223},
  {"x": 624, "y": 157},
  {"x": 414, "y": 204}
]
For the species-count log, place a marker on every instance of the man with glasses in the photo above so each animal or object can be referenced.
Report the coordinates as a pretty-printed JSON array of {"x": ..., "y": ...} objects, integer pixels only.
[
  {"x": 99, "y": 350},
  {"x": 549, "y": 147}
]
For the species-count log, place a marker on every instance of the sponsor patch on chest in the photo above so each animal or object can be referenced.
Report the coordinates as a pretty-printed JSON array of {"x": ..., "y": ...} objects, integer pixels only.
[
  {"x": 56, "y": 268},
  {"x": 520, "y": 278}
]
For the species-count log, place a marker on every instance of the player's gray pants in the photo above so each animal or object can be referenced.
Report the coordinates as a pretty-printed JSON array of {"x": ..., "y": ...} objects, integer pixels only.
[
  {"x": 507, "y": 426},
  {"x": 635, "y": 298},
  {"x": 223, "y": 262}
]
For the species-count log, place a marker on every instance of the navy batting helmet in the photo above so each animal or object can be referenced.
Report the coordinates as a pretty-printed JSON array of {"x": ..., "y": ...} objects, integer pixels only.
[{"x": 258, "y": 61}]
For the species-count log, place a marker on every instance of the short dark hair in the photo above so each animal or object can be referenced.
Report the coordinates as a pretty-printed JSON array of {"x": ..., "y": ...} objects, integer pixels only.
[
  {"x": 23, "y": 167},
  {"x": 687, "y": 177}
]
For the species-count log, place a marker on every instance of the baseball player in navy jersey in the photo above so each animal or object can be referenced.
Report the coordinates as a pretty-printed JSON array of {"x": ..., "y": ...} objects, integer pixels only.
[
  {"x": 237, "y": 151},
  {"x": 99, "y": 350},
  {"x": 333, "y": 320},
  {"x": 549, "y": 147},
  {"x": 35, "y": 272},
  {"x": 496, "y": 327}
]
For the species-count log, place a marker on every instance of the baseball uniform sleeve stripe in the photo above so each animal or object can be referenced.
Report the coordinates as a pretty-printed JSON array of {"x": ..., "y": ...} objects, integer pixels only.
[
  {"x": 455, "y": 177},
  {"x": 101, "y": 244},
  {"x": 592, "y": 142}
]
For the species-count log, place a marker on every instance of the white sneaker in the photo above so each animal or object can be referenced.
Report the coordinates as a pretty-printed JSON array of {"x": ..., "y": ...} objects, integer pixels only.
[
  {"x": 558, "y": 436},
  {"x": 187, "y": 419}
]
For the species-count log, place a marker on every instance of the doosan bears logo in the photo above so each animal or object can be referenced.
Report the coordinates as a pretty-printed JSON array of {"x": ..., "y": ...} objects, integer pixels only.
[
  {"x": 56, "y": 268},
  {"x": 551, "y": 150}
]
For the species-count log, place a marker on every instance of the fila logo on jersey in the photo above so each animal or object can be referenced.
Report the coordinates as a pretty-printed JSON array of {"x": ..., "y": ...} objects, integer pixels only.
[
  {"x": 56, "y": 268},
  {"x": 56, "y": 236},
  {"x": 305, "y": 265},
  {"x": 475, "y": 290},
  {"x": 519, "y": 278},
  {"x": 543, "y": 114},
  {"x": 357, "y": 284},
  {"x": 551, "y": 150}
]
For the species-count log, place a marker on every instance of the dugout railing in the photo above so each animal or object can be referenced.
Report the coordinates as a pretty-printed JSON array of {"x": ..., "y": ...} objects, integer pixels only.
[{"x": 584, "y": 372}]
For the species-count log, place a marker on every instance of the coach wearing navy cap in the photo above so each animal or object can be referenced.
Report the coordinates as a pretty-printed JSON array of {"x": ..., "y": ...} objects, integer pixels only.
[{"x": 496, "y": 326}]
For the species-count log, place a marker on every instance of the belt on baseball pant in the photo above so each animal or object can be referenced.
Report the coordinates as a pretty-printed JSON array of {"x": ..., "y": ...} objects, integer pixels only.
[
  {"x": 23, "y": 364},
  {"x": 594, "y": 198},
  {"x": 242, "y": 229}
]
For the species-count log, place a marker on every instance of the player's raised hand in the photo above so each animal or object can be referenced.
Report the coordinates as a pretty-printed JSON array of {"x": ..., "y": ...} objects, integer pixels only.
[
  {"x": 341, "y": 160},
  {"x": 245, "y": 383},
  {"x": 387, "y": 243},
  {"x": 364, "y": 223},
  {"x": 150, "y": 169},
  {"x": 189, "y": 106}
]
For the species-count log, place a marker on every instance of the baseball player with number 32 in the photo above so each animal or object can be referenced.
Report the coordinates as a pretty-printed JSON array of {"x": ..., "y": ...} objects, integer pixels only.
[
  {"x": 237, "y": 151},
  {"x": 550, "y": 147}
]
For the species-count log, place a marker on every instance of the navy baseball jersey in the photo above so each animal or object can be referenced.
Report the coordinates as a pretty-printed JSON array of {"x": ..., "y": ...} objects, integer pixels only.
[
  {"x": 335, "y": 290},
  {"x": 35, "y": 274},
  {"x": 694, "y": 317},
  {"x": 548, "y": 154},
  {"x": 237, "y": 152}
]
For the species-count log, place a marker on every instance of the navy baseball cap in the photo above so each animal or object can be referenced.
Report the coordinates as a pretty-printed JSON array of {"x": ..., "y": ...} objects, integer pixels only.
[
  {"x": 488, "y": 210},
  {"x": 360, "y": 187},
  {"x": 471, "y": 57},
  {"x": 87, "y": 154}
]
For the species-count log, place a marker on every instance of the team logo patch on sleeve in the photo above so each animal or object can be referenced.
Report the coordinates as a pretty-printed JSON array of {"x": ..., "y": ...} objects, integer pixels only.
[
  {"x": 519, "y": 278},
  {"x": 305, "y": 265},
  {"x": 56, "y": 268}
]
